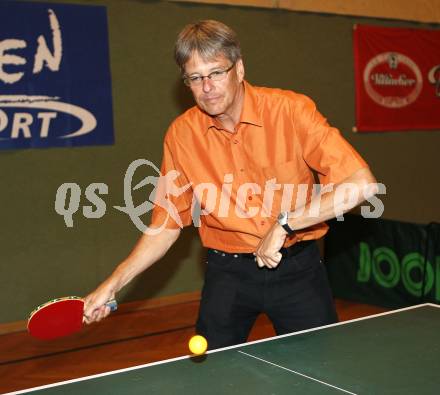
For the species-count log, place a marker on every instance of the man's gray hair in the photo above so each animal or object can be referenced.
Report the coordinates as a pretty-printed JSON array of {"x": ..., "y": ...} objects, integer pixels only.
[{"x": 209, "y": 39}]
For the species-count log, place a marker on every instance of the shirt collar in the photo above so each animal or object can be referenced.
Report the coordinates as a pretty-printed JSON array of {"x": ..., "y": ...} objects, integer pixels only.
[{"x": 249, "y": 113}]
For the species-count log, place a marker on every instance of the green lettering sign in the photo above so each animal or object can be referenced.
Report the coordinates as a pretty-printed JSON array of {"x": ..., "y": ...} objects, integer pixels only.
[
  {"x": 413, "y": 261},
  {"x": 384, "y": 254},
  {"x": 364, "y": 272},
  {"x": 387, "y": 270}
]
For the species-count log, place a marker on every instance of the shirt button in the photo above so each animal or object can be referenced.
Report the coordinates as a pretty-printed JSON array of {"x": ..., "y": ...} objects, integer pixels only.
[
  {"x": 235, "y": 141},
  {"x": 241, "y": 169},
  {"x": 263, "y": 222},
  {"x": 250, "y": 197}
]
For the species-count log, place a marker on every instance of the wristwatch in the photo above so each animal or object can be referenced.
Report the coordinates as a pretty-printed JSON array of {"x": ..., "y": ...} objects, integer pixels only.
[{"x": 282, "y": 220}]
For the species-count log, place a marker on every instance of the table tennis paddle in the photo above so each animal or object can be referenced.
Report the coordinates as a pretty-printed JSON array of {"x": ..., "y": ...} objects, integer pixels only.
[{"x": 59, "y": 317}]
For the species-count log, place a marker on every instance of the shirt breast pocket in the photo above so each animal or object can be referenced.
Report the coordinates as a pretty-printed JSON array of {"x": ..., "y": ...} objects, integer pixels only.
[
  {"x": 281, "y": 185},
  {"x": 283, "y": 173}
]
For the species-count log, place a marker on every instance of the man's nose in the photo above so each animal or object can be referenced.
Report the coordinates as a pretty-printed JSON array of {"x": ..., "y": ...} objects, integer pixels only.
[{"x": 206, "y": 84}]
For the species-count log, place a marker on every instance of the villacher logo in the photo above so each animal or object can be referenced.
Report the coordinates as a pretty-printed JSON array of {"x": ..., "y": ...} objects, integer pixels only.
[{"x": 392, "y": 80}]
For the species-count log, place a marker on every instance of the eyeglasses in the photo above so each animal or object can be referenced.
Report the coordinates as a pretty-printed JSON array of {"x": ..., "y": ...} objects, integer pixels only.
[{"x": 197, "y": 80}]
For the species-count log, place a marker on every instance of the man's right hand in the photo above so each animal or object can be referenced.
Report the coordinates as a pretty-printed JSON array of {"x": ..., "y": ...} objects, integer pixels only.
[{"x": 95, "y": 308}]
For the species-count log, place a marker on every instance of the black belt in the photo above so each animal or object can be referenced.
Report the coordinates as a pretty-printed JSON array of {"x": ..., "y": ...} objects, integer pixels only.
[{"x": 286, "y": 252}]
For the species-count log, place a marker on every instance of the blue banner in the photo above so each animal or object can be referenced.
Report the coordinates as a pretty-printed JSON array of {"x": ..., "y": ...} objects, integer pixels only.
[{"x": 55, "y": 83}]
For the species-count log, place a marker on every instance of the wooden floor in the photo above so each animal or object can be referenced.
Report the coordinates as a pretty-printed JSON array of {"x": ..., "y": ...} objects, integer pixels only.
[{"x": 125, "y": 339}]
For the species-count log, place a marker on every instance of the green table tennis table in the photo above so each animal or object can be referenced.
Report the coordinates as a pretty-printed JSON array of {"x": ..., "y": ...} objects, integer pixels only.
[{"x": 396, "y": 352}]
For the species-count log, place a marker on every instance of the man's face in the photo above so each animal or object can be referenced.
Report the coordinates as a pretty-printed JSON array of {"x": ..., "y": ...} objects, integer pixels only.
[{"x": 215, "y": 97}]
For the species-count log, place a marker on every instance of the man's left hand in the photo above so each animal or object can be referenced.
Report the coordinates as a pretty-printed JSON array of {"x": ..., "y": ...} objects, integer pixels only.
[{"x": 268, "y": 250}]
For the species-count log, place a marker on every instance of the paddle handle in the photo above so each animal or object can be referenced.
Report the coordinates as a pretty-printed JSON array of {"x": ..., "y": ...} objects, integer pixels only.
[{"x": 112, "y": 304}]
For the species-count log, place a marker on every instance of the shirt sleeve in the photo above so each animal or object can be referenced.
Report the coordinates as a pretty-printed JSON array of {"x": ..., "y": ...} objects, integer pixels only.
[
  {"x": 323, "y": 147},
  {"x": 173, "y": 193}
]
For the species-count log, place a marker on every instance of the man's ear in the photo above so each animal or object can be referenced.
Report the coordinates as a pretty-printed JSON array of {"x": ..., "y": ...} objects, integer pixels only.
[{"x": 239, "y": 67}]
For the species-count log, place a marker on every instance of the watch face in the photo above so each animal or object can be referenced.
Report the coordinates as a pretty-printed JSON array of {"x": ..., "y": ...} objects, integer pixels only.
[{"x": 282, "y": 218}]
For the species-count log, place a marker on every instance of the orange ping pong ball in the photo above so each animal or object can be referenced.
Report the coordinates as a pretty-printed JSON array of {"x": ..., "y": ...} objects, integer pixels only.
[{"x": 198, "y": 345}]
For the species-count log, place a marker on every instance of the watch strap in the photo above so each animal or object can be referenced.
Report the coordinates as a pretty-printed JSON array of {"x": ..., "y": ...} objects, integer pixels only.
[{"x": 288, "y": 229}]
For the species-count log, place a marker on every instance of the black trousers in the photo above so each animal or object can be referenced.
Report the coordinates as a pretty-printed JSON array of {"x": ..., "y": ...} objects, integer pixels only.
[{"x": 295, "y": 296}]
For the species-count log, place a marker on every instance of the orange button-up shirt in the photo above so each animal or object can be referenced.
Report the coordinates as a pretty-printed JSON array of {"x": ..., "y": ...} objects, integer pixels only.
[{"x": 233, "y": 185}]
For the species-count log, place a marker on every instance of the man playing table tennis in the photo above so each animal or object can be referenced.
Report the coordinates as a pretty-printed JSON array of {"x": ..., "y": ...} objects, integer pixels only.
[{"x": 249, "y": 155}]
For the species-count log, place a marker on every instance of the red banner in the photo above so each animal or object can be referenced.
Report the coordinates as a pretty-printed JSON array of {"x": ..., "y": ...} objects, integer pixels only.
[{"x": 397, "y": 74}]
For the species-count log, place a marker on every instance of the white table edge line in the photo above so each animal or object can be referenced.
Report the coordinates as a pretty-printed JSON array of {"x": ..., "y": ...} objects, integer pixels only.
[{"x": 298, "y": 373}]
